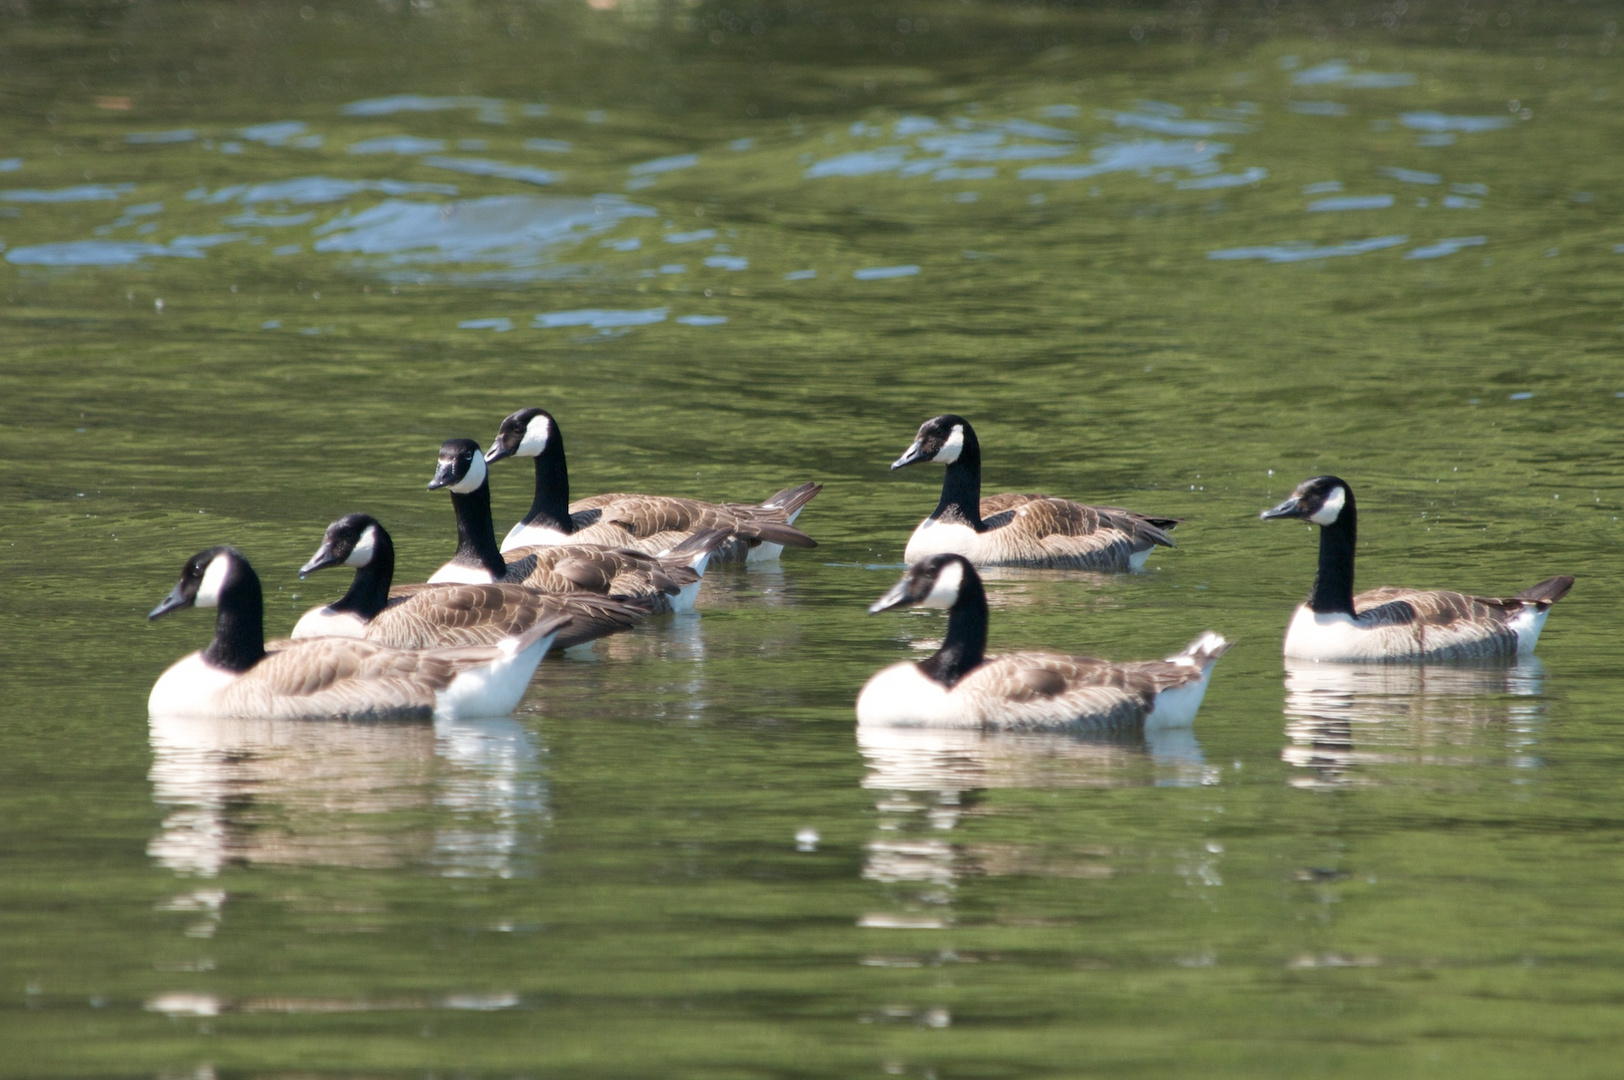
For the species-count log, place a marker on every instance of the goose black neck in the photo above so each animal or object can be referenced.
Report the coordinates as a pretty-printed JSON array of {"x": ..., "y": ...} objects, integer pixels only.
[
  {"x": 239, "y": 624},
  {"x": 961, "y": 486},
  {"x": 966, "y": 643},
  {"x": 551, "y": 507},
  {"x": 1333, "y": 584},
  {"x": 476, "y": 536},
  {"x": 369, "y": 592}
]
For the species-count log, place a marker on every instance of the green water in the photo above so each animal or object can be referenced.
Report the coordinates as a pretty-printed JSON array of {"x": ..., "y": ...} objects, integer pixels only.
[{"x": 1365, "y": 873}]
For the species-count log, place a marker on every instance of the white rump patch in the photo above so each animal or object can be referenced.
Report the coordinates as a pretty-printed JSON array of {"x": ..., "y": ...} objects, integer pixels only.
[
  {"x": 945, "y": 593},
  {"x": 475, "y": 477},
  {"x": 214, "y": 579},
  {"x": 952, "y": 448},
  {"x": 536, "y": 434},
  {"x": 1327, "y": 514},
  {"x": 364, "y": 548}
]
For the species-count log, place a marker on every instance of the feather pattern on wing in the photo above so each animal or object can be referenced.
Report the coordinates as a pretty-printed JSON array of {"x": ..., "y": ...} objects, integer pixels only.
[
  {"x": 439, "y": 616},
  {"x": 348, "y": 678},
  {"x": 1046, "y": 690},
  {"x": 1438, "y": 624},
  {"x": 654, "y": 523},
  {"x": 586, "y": 569},
  {"x": 1042, "y": 530}
]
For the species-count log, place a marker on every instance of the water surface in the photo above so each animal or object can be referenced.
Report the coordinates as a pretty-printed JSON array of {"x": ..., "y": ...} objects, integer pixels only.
[{"x": 260, "y": 261}]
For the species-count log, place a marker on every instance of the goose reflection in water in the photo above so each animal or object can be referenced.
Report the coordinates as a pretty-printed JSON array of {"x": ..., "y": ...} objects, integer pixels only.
[
  {"x": 1341, "y": 719},
  {"x": 930, "y": 779},
  {"x": 462, "y": 797}
]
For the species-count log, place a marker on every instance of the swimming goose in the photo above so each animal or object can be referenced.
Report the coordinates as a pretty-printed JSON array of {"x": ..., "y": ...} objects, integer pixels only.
[
  {"x": 1392, "y": 623},
  {"x": 432, "y": 616},
  {"x": 320, "y": 678},
  {"x": 1019, "y": 530},
  {"x": 960, "y": 687},
  {"x": 669, "y": 579},
  {"x": 649, "y": 523}
]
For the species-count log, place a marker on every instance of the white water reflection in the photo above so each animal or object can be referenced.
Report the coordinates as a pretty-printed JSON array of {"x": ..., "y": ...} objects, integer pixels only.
[
  {"x": 1343, "y": 719},
  {"x": 466, "y": 798},
  {"x": 931, "y": 780}
]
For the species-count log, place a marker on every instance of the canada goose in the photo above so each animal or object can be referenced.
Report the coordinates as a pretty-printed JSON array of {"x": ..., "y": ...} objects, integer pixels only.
[
  {"x": 649, "y": 523},
  {"x": 669, "y": 579},
  {"x": 1019, "y": 530},
  {"x": 1391, "y": 623},
  {"x": 958, "y": 686},
  {"x": 237, "y": 676},
  {"x": 435, "y": 616}
]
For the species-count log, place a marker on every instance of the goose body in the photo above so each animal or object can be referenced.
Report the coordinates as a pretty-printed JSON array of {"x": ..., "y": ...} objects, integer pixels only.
[
  {"x": 960, "y": 687},
  {"x": 647, "y": 523},
  {"x": 444, "y": 615},
  {"x": 668, "y": 581},
  {"x": 323, "y": 678},
  {"x": 1019, "y": 529},
  {"x": 1390, "y": 623}
]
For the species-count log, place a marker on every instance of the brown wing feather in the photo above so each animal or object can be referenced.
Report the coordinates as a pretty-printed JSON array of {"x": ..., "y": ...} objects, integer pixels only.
[
  {"x": 619, "y": 572},
  {"x": 657, "y": 522},
  {"x": 1442, "y": 624},
  {"x": 1040, "y": 530},
  {"x": 1046, "y": 689},
  {"x": 342, "y": 677},
  {"x": 443, "y": 616}
]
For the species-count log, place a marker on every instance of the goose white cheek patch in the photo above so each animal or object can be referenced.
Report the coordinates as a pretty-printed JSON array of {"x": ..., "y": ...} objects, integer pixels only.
[
  {"x": 1327, "y": 514},
  {"x": 214, "y": 579},
  {"x": 536, "y": 434},
  {"x": 475, "y": 477},
  {"x": 364, "y": 548},
  {"x": 949, "y": 453},
  {"x": 945, "y": 593}
]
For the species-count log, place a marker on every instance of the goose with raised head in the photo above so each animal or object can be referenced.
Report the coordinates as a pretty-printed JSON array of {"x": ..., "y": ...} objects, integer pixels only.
[
  {"x": 651, "y": 523},
  {"x": 1019, "y": 530},
  {"x": 1396, "y": 623},
  {"x": 669, "y": 579},
  {"x": 321, "y": 678},
  {"x": 959, "y": 686},
  {"x": 433, "y": 616}
]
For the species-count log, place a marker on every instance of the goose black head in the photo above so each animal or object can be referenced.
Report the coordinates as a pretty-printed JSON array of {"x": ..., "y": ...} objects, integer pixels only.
[
  {"x": 940, "y": 439},
  {"x": 206, "y": 577},
  {"x": 1320, "y": 500},
  {"x": 461, "y": 467},
  {"x": 933, "y": 582},
  {"x": 352, "y": 540},
  {"x": 526, "y": 433}
]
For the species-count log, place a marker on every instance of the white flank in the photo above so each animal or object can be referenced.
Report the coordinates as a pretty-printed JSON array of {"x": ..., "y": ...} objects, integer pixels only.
[
  {"x": 494, "y": 689},
  {"x": 945, "y": 592},
  {"x": 325, "y": 622},
  {"x": 905, "y": 696},
  {"x": 455, "y": 573},
  {"x": 765, "y": 552},
  {"x": 536, "y": 434},
  {"x": 683, "y": 602},
  {"x": 1334, "y": 502},
  {"x": 952, "y": 448},
  {"x": 1527, "y": 624},
  {"x": 188, "y": 687},
  {"x": 364, "y": 548},
  {"x": 475, "y": 477},
  {"x": 1177, "y": 707},
  {"x": 522, "y": 535},
  {"x": 214, "y": 579}
]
